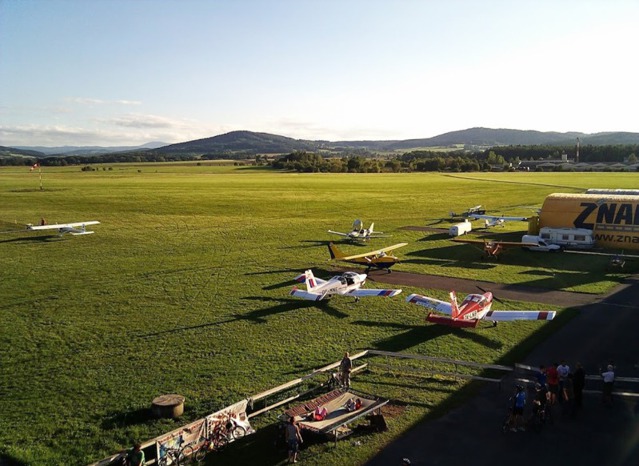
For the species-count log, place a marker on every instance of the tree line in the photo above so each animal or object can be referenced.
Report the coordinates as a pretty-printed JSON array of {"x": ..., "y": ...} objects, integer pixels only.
[{"x": 502, "y": 157}]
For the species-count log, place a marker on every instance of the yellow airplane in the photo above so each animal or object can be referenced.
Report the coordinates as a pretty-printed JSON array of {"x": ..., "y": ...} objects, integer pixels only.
[{"x": 378, "y": 258}]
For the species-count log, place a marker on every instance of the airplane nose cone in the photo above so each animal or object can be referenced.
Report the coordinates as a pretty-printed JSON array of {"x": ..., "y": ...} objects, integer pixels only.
[{"x": 489, "y": 296}]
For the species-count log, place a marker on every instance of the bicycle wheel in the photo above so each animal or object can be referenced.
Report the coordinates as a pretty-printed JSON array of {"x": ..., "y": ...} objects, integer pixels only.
[
  {"x": 186, "y": 454},
  {"x": 238, "y": 432},
  {"x": 220, "y": 442},
  {"x": 200, "y": 454}
]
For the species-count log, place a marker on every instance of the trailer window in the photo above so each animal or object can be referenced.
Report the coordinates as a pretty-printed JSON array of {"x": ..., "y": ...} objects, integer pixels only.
[
  {"x": 545, "y": 235},
  {"x": 580, "y": 238},
  {"x": 565, "y": 237}
]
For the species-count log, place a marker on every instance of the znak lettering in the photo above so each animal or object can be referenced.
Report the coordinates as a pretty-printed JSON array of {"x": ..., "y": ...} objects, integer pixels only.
[{"x": 580, "y": 221}]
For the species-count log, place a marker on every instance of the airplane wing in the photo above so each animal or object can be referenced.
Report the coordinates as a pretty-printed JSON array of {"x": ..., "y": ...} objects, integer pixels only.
[
  {"x": 519, "y": 315},
  {"x": 507, "y": 244},
  {"x": 338, "y": 233},
  {"x": 378, "y": 251},
  {"x": 430, "y": 303},
  {"x": 69, "y": 226},
  {"x": 512, "y": 244},
  {"x": 365, "y": 293},
  {"x": 498, "y": 217},
  {"x": 470, "y": 241}
]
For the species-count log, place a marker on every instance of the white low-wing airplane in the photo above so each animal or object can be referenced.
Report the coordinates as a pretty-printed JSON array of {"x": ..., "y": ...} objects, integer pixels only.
[
  {"x": 360, "y": 233},
  {"x": 75, "y": 228},
  {"x": 474, "y": 308},
  {"x": 495, "y": 220},
  {"x": 347, "y": 284},
  {"x": 477, "y": 210}
]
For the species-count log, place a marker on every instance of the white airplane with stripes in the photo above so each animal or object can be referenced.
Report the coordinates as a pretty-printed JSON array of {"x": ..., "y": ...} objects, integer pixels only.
[
  {"x": 347, "y": 284},
  {"x": 473, "y": 308},
  {"x": 75, "y": 228}
]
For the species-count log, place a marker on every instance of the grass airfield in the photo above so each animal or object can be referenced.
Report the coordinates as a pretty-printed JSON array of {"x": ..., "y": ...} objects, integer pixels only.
[{"x": 184, "y": 289}]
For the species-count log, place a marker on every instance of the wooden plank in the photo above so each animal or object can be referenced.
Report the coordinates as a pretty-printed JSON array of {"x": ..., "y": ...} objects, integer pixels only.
[{"x": 295, "y": 382}]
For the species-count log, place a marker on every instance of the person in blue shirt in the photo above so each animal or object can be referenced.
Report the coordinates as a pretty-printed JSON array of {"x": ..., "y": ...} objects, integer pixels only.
[{"x": 519, "y": 403}]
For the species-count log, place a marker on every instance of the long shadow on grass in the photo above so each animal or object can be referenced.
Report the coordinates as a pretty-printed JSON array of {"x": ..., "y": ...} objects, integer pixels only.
[
  {"x": 6, "y": 460},
  {"x": 444, "y": 384},
  {"x": 286, "y": 305},
  {"x": 33, "y": 239},
  {"x": 452, "y": 263},
  {"x": 416, "y": 335},
  {"x": 259, "y": 316}
]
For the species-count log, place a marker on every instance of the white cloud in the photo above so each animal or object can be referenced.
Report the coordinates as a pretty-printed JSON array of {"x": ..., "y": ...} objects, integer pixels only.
[{"x": 91, "y": 101}]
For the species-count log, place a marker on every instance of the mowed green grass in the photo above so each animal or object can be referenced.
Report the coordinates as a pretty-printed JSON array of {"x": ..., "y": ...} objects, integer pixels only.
[{"x": 184, "y": 289}]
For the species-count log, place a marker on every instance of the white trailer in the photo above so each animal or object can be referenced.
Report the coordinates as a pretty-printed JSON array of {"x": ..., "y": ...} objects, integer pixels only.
[
  {"x": 569, "y": 238},
  {"x": 460, "y": 228}
]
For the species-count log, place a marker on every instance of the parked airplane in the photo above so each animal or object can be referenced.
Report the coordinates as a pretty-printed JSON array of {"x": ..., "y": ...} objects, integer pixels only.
[
  {"x": 75, "y": 228},
  {"x": 360, "y": 233},
  {"x": 472, "y": 210},
  {"x": 496, "y": 220},
  {"x": 493, "y": 248},
  {"x": 347, "y": 284},
  {"x": 378, "y": 258},
  {"x": 473, "y": 308}
]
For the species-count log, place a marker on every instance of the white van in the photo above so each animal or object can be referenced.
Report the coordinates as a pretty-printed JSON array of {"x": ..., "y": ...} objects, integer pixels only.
[
  {"x": 542, "y": 245},
  {"x": 460, "y": 228}
]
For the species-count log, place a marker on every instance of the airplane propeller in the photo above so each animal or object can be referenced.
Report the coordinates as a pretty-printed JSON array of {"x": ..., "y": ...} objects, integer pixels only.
[{"x": 494, "y": 297}]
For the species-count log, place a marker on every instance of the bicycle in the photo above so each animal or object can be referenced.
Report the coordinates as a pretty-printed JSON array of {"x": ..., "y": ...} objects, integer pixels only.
[
  {"x": 177, "y": 456},
  {"x": 508, "y": 421},
  {"x": 223, "y": 433},
  {"x": 217, "y": 441}
]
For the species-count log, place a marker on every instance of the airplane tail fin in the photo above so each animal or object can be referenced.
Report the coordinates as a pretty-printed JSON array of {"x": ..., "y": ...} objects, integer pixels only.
[
  {"x": 487, "y": 224},
  {"x": 370, "y": 230},
  {"x": 310, "y": 280},
  {"x": 335, "y": 252},
  {"x": 453, "y": 304}
]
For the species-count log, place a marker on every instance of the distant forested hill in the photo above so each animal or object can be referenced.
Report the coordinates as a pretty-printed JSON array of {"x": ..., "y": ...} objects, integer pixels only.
[
  {"x": 240, "y": 143},
  {"x": 248, "y": 144}
]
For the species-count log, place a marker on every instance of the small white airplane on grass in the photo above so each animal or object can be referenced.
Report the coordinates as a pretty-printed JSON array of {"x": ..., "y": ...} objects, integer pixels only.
[
  {"x": 474, "y": 308},
  {"x": 76, "y": 228},
  {"x": 360, "y": 233},
  {"x": 477, "y": 210},
  {"x": 347, "y": 284},
  {"x": 497, "y": 220}
]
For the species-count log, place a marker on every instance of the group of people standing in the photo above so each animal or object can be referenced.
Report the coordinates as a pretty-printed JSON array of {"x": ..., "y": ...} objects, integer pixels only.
[
  {"x": 558, "y": 385},
  {"x": 564, "y": 385}
]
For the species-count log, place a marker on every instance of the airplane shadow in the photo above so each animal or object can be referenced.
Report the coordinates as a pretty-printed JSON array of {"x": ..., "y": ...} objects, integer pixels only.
[
  {"x": 271, "y": 272},
  {"x": 452, "y": 263},
  {"x": 416, "y": 335},
  {"x": 34, "y": 239},
  {"x": 287, "y": 304},
  {"x": 259, "y": 315}
]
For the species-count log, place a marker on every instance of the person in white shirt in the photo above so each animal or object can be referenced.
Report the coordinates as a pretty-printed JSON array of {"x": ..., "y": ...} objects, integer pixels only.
[
  {"x": 563, "y": 370},
  {"x": 608, "y": 381}
]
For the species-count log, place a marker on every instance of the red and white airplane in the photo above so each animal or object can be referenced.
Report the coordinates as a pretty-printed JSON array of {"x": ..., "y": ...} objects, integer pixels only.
[
  {"x": 347, "y": 284},
  {"x": 474, "y": 308}
]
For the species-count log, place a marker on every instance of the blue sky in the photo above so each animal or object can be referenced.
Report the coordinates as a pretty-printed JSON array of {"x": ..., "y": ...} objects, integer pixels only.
[{"x": 123, "y": 72}]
